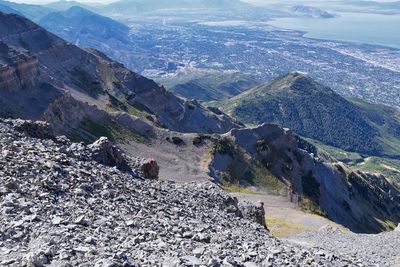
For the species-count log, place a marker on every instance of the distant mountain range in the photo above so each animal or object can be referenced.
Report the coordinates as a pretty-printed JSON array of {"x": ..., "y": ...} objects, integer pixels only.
[
  {"x": 32, "y": 12},
  {"x": 65, "y": 5},
  {"x": 376, "y": 4},
  {"x": 311, "y": 11},
  {"x": 315, "y": 111},
  {"x": 127, "y": 6},
  {"x": 8, "y": 10},
  {"x": 81, "y": 25}
]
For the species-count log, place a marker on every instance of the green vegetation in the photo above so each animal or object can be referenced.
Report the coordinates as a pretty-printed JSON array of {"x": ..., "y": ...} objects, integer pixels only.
[
  {"x": 386, "y": 166},
  {"x": 243, "y": 171},
  {"x": 199, "y": 140},
  {"x": 89, "y": 131},
  {"x": 176, "y": 140},
  {"x": 310, "y": 206},
  {"x": 315, "y": 111},
  {"x": 262, "y": 145},
  {"x": 118, "y": 105},
  {"x": 311, "y": 194},
  {"x": 223, "y": 146},
  {"x": 208, "y": 87},
  {"x": 86, "y": 82},
  {"x": 235, "y": 188},
  {"x": 311, "y": 187}
]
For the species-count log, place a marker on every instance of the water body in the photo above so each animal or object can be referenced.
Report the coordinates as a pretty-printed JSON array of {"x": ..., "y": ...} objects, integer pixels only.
[{"x": 354, "y": 27}]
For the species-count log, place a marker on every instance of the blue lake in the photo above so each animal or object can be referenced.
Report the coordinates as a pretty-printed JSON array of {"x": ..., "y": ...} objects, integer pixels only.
[{"x": 353, "y": 27}]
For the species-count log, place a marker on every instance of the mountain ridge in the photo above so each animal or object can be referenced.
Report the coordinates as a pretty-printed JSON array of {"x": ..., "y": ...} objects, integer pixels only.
[
  {"x": 89, "y": 76},
  {"x": 316, "y": 111}
]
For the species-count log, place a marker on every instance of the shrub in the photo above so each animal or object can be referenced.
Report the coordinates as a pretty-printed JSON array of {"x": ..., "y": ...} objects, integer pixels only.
[
  {"x": 176, "y": 140},
  {"x": 198, "y": 140},
  {"x": 311, "y": 187}
]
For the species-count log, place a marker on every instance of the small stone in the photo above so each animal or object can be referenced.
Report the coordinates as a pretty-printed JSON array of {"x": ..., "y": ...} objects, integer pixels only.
[
  {"x": 191, "y": 261},
  {"x": 8, "y": 262},
  {"x": 82, "y": 249},
  {"x": 57, "y": 220},
  {"x": 198, "y": 252}
]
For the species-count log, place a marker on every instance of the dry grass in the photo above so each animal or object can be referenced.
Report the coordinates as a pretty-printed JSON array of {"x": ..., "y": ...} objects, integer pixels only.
[
  {"x": 281, "y": 227},
  {"x": 235, "y": 188}
]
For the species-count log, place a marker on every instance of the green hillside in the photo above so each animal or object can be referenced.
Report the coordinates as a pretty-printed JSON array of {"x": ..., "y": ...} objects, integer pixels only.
[
  {"x": 211, "y": 87},
  {"x": 315, "y": 111}
]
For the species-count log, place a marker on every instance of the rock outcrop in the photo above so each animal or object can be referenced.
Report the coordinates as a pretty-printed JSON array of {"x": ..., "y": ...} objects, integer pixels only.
[
  {"x": 149, "y": 168},
  {"x": 104, "y": 152},
  {"x": 253, "y": 213},
  {"x": 270, "y": 156},
  {"x": 18, "y": 69},
  {"x": 35, "y": 129}
]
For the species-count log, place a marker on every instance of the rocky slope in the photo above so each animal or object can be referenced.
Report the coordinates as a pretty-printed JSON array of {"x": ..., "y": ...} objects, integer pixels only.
[
  {"x": 315, "y": 111},
  {"x": 65, "y": 203},
  {"x": 90, "y": 79},
  {"x": 380, "y": 249},
  {"x": 277, "y": 160}
]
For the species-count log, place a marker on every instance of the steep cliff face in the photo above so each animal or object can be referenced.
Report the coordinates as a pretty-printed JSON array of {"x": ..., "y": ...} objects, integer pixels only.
[
  {"x": 274, "y": 158},
  {"x": 66, "y": 113},
  {"x": 89, "y": 76},
  {"x": 17, "y": 69}
]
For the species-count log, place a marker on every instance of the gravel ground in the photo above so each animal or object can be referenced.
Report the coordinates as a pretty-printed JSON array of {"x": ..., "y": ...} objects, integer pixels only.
[
  {"x": 60, "y": 207},
  {"x": 379, "y": 250}
]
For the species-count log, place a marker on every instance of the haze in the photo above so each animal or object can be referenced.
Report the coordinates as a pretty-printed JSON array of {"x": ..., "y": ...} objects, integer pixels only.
[{"x": 109, "y": 1}]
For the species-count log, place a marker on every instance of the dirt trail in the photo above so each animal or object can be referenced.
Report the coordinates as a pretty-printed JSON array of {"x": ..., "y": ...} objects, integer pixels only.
[
  {"x": 187, "y": 163},
  {"x": 283, "y": 217},
  {"x": 179, "y": 163}
]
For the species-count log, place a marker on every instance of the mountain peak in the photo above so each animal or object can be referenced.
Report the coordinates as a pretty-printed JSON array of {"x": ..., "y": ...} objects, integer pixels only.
[
  {"x": 309, "y": 108},
  {"x": 297, "y": 81}
]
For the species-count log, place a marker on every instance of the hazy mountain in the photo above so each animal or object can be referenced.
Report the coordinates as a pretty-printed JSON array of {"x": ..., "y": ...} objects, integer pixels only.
[
  {"x": 89, "y": 29},
  {"x": 32, "y": 12},
  {"x": 44, "y": 77},
  {"x": 376, "y": 4},
  {"x": 127, "y": 6},
  {"x": 65, "y": 5},
  {"x": 315, "y": 111},
  {"x": 86, "y": 27},
  {"x": 8, "y": 10},
  {"x": 210, "y": 87},
  {"x": 311, "y": 11}
]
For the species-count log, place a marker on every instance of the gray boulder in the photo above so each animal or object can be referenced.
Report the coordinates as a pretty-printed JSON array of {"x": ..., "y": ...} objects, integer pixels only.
[
  {"x": 251, "y": 212},
  {"x": 35, "y": 129},
  {"x": 104, "y": 152}
]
